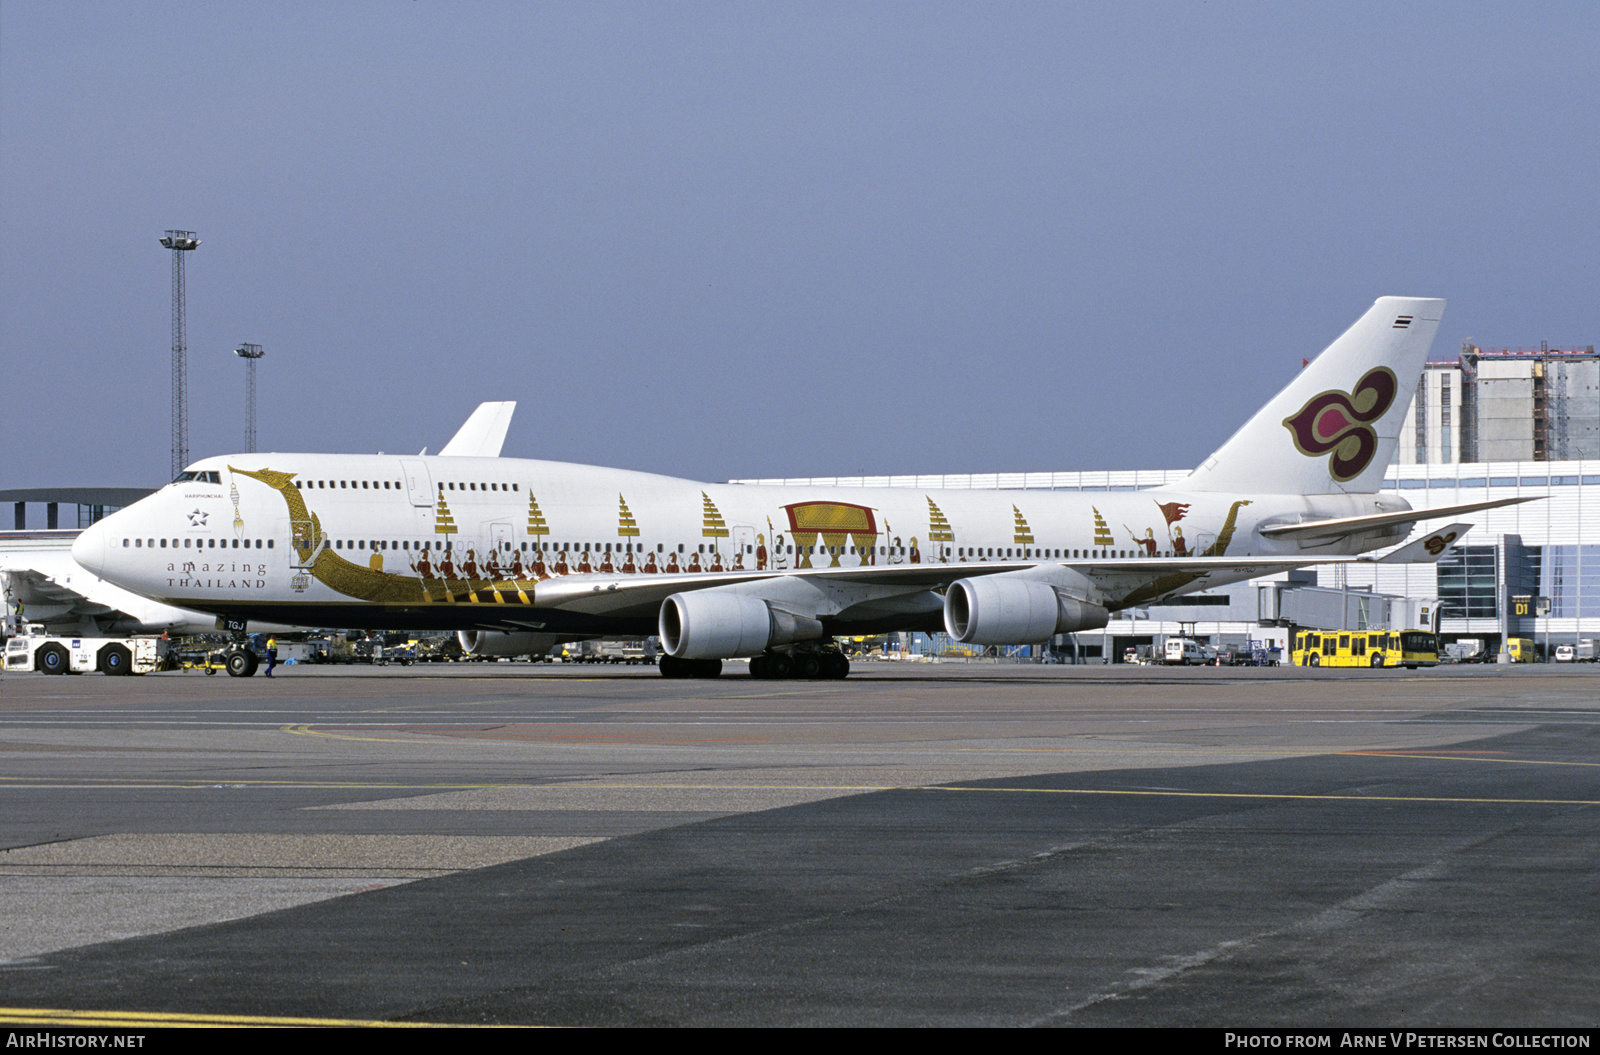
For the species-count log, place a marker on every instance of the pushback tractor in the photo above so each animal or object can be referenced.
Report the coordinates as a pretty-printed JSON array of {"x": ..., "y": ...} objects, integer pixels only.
[{"x": 39, "y": 650}]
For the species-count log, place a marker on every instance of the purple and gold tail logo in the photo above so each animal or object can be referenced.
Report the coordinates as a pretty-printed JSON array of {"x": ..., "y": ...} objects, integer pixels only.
[
  {"x": 1339, "y": 422},
  {"x": 1435, "y": 544}
]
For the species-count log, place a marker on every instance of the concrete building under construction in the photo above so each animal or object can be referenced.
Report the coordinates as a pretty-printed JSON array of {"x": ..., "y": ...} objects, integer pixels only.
[{"x": 1505, "y": 405}]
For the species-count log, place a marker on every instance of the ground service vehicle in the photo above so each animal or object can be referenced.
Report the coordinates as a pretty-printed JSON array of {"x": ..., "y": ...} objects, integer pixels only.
[
  {"x": 1186, "y": 651},
  {"x": 629, "y": 652},
  {"x": 37, "y": 649},
  {"x": 1365, "y": 648},
  {"x": 1582, "y": 652},
  {"x": 1465, "y": 650}
]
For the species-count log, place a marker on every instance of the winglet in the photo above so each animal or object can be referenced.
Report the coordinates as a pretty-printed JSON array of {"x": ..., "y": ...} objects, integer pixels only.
[{"x": 483, "y": 434}]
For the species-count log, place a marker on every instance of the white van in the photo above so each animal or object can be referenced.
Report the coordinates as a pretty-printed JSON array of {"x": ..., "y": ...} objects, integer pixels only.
[{"x": 1185, "y": 651}]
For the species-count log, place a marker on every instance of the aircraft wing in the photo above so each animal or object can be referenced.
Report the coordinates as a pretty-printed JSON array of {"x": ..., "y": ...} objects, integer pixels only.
[
  {"x": 1337, "y": 526},
  {"x": 53, "y": 589},
  {"x": 44, "y": 600},
  {"x": 598, "y": 594},
  {"x": 595, "y": 593}
]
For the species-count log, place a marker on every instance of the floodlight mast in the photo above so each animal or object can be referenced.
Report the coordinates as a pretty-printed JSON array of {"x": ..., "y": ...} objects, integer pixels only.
[
  {"x": 249, "y": 353},
  {"x": 179, "y": 242}
]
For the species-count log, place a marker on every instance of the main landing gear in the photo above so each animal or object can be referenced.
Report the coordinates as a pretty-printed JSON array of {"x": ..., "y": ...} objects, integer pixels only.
[
  {"x": 827, "y": 664},
  {"x": 813, "y": 664}
]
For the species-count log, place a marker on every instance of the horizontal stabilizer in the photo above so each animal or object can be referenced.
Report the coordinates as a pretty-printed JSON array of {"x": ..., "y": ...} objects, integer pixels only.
[
  {"x": 1338, "y": 526},
  {"x": 483, "y": 434},
  {"x": 1428, "y": 549}
]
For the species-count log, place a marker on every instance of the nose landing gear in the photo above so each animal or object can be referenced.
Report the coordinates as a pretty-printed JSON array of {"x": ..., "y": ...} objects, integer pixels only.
[{"x": 239, "y": 661}]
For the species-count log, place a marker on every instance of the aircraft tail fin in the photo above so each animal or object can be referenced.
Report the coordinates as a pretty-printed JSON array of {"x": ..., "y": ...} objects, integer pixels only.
[
  {"x": 483, "y": 434},
  {"x": 1335, "y": 426}
]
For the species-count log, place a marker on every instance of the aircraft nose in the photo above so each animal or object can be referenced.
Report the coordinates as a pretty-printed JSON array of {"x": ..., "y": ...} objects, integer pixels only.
[{"x": 89, "y": 548}]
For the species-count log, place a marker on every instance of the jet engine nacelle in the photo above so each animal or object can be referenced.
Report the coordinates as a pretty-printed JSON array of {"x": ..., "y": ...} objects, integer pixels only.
[
  {"x": 494, "y": 643},
  {"x": 1006, "y": 611},
  {"x": 714, "y": 624}
]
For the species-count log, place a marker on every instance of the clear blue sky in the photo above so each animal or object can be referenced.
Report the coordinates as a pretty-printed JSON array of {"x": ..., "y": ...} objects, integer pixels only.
[{"x": 755, "y": 239}]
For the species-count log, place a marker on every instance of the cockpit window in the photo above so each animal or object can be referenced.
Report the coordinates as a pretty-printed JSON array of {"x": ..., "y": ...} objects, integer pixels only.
[
  {"x": 209, "y": 476},
  {"x": 184, "y": 477}
]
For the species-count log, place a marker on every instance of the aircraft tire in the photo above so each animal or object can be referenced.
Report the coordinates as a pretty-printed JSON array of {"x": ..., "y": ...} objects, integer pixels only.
[
  {"x": 835, "y": 666},
  {"x": 116, "y": 660},
  {"x": 672, "y": 667},
  {"x": 758, "y": 667},
  {"x": 51, "y": 659},
  {"x": 241, "y": 663},
  {"x": 707, "y": 668},
  {"x": 780, "y": 665},
  {"x": 807, "y": 665}
]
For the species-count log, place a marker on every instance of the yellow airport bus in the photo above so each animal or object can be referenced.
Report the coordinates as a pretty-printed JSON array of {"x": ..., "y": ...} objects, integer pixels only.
[{"x": 1365, "y": 648}]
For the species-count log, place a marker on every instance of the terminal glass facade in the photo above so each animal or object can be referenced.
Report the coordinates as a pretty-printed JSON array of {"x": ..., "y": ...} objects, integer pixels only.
[
  {"x": 1467, "y": 582},
  {"x": 1571, "y": 577}
]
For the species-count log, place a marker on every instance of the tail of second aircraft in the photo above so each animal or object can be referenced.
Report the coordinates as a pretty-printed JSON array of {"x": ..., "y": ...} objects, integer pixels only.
[{"x": 1335, "y": 426}]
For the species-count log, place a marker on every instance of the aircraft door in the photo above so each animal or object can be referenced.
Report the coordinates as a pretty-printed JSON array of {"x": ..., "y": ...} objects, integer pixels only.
[
  {"x": 419, "y": 484},
  {"x": 304, "y": 548},
  {"x": 306, "y": 542},
  {"x": 500, "y": 532}
]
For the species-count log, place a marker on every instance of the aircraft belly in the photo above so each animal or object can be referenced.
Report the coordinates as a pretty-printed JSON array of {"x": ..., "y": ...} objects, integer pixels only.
[
  {"x": 863, "y": 622},
  {"x": 427, "y": 617}
]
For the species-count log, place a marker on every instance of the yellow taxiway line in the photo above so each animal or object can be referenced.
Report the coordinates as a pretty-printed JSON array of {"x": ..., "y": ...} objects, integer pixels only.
[{"x": 132, "y": 1020}]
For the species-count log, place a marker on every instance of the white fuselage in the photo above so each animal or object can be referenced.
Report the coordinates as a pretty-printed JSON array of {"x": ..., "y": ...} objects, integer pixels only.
[{"x": 375, "y": 536}]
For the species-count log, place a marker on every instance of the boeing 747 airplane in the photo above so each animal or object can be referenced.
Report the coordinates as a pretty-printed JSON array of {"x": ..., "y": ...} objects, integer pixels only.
[{"x": 519, "y": 555}]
